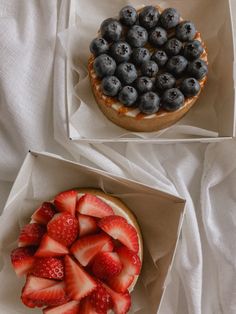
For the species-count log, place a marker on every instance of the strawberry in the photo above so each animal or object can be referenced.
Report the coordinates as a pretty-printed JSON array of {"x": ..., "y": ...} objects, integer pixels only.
[
  {"x": 22, "y": 260},
  {"x": 106, "y": 265},
  {"x": 49, "y": 247},
  {"x": 130, "y": 261},
  {"x": 31, "y": 234},
  {"x": 48, "y": 267},
  {"x": 100, "y": 299},
  {"x": 44, "y": 213},
  {"x": 86, "y": 307},
  {"x": 118, "y": 228},
  {"x": 121, "y": 282},
  {"x": 91, "y": 205},
  {"x": 78, "y": 283},
  {"x": 66, "y": 201},
  {"x": 87, "y": 247},
  {"x": 63, "y": 228},
  {"x": 35, "y": 283},
  {"x": 71, "y": 307},
  {"x": 87, "y": 225}
]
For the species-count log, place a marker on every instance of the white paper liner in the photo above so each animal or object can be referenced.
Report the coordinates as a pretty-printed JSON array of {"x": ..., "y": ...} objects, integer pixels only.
[
  {"x": 206, "y": 116},
  {"x": 159, "y": 216}
]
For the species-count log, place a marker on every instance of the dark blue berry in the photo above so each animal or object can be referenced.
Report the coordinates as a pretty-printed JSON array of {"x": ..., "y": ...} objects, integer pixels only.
[
  {"x": 160, "y": 57},
  {"x": 128, "y": 96},
  {"x": 197, "y": 69},
  {"x": 149, "y": 17},
  {"x": 158, "y": 37},
  {"x": 111, "y": 30},
  {"x": 193, "y": 50},
  {"x": 140, "y": 55},
  {"x": 149, "y": 68},
  {"x": 137, "y": 36},
  {"x": 127, "y": 73},
  {"x": 121, "y": 51},
  {"x": 143, "y": 84},
  {"x": 149, "y": 103},
  {"x": 104, "y": 65},
  {"x": 169, "y": 18},
  {"x": 190, "y": 87},
  {"x": 173, "y": 47},
  {"x": 110, "y": 86},
  {"x": 172, "y": 99},
  {"x": 165, "y": 81},
  {"x": 99, "y": 46},
  {"x": 185, "y": 31},
  {"x": 177, "y": 65},
  {"x": 128, "y": 15}
]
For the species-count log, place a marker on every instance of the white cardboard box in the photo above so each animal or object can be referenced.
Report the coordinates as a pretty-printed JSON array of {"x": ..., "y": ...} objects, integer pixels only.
[
  {"x": 42, "y": 176},
  {"x": 213, "y": 116}
]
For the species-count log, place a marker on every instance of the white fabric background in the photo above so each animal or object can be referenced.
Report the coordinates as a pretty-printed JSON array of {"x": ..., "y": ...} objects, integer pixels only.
[{"x": 32, "y": 116}]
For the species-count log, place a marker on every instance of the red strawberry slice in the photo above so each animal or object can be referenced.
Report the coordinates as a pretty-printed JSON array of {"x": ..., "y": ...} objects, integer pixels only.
[
  {"x": 87, "y": 225},
  {"x": 71, "y": 307},
  {"x": 118, "y": 228},
  {"x": 91, "y": 205},
  {"x": 87, "y": 247},
  {"x": 121, "y": 302},
  {"x": 121, "y": 282},
  {"x": 100, "y": 299},
  {"x": 48, "y": 267},
  {"x": 31, "y": 234},
  {"x": 130, "y": 261},
  {"x": 50, "y": 247},
  {"x": 86, "y": 307},
  {"x": 44, "y": 213},
  {"x": 78, "y": 283},
  {"x": 66, "y": 201},
  {"x": 22, "y": 260},
  {"x": 63, "y": 228},
  {"x": 106, "y": 265},
  {"x": 35, "y": 283}
]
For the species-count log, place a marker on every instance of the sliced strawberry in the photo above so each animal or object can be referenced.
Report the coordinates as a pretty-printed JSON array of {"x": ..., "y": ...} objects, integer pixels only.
[
  {"x": 86, "y": 307},
  {"x": 121, "y": 302},
  {"x": 121, "y": 282},
  {"x": 63, "y": 228},
  {"x": 44, "y": 213},
  {"x": 109, "y": 246},
  {"x": 118, "y": 228},
  {"x": 87, "y": 247},
  {"x": 48, "y": 267},
  {"x": 50, "y": 247},
  {"x": 31, "y": 234},
  {"x": 66, "y": 201},
  {"x": 78, "y": 283},
  {"x": 106, "y": 265},
  {"x": 91, "y": 205},
  {"x": 100, "y": 299},
  {"x": 22, "y": 260},
  {"x": 130, "y": 261},
  {"x": 71, "y": 307},
  {"x": 87, "y": 225}
]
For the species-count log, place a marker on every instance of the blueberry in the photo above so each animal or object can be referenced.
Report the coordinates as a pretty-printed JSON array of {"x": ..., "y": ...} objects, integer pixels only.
[
  {"x": 160, "y": 57},
  {"x": 185, "y": 31},
  {"x": 169, "y": 18},
  {"x": 137, "y": 36},
  {"x": 193, "y": 50},
  {"x": 149, "y": 103},
  {"x": 158, "y": 37},
  {"x": 104, "y": 65},
  {"x": 127, "y": 73},
  {"x": 121, "y": 51},
  {"x": 149, "y": 17},
  {"x": 149, "y": 68},
  {"x": 190, "y": 87},
  {"x": 128, "y": 96},
  {"x": 128, "y": 15},
  {"x": 140, "y": 55},
  {"x": 110, "y": 86},
  {"x": 172, "y": 99},
  {"x": 111, "y": 29},
  {"x": 177, "y": 65},
  {"x": 198, "y": 69},
  {"x": 144, "y": 84},
  {"x": 173, "y": 47},
  {"x": 99, "y": 46},
  {"x": 165, "y": 81}
]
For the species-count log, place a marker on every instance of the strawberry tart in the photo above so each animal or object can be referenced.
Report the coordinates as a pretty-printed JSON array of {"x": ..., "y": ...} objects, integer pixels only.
[{"x": 81, "y": 253}]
